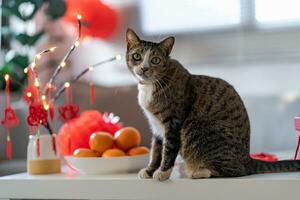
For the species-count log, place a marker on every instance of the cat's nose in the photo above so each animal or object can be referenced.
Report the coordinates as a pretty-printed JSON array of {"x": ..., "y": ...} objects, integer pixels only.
[{"x": 144, "y": 69}]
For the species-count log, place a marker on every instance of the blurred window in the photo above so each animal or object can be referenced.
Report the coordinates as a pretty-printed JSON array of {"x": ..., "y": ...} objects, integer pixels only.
[
  {"x": 278, "y": 12},
  {"x": 165, "y": 16},
  {"x": 188, "y": 15}
]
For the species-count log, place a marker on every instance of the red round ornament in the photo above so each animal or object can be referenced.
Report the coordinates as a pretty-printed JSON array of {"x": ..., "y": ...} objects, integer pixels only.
[{"x": 10, "y": 118}]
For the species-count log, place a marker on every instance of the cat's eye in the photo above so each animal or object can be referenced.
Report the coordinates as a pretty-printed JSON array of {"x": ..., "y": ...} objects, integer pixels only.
[
  {"x": 136, "y": 56},
  {"x": 155, "y": 60}
]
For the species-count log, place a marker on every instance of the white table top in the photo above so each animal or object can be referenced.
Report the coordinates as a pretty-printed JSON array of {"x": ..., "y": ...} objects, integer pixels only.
[{"x": 71, "y": 185}]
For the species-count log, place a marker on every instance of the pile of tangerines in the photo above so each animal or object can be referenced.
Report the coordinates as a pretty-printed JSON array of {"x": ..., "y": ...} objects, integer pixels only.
[{"x": 125, "y": 142}]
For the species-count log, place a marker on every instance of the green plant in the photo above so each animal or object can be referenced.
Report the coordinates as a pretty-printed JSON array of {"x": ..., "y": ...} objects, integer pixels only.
[{"x": 24, "y": 10}]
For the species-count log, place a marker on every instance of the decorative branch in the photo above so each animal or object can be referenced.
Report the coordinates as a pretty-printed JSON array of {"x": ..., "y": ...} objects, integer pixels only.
[
  {"x": 63, "y": 62},
  {"x": 62, "y": 87}
]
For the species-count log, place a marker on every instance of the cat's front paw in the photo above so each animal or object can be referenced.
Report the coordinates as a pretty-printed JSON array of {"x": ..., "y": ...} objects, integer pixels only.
[
  {"x": 160, "y": 175},
  {"x": 144, "y": 174}
]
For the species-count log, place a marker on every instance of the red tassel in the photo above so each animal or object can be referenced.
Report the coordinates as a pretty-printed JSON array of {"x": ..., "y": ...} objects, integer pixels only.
[
  {"x": 92, "y": 93},
  {"x": 38, "y": 152},
  {"x": 8, "y": 148},
  {"x": 54, "y": 144}
]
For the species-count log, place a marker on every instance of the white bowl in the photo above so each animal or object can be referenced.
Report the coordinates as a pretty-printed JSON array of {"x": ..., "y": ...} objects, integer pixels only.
[{"x": 99, "y": 165}]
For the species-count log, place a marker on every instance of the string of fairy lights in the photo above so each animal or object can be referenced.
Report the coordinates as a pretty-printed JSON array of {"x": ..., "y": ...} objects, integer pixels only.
[{"x": 33, "y": 68}]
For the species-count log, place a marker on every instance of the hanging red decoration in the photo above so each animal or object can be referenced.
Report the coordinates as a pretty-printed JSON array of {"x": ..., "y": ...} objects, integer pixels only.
[
  {"x": 30, "y": 94},
  {"x": 99, "y": 20},
  {"x": 68, "y": 112},
  {"x": 10, "y": 118},
  {"x": 37, "y": 115}
]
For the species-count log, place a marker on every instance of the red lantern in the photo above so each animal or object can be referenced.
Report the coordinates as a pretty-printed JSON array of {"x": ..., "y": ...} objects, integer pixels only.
[{"x": 98, "y": 19}]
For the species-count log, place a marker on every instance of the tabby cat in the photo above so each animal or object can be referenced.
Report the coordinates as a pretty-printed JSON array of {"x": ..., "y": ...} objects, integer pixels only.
[{"x": 200, "y": 117}]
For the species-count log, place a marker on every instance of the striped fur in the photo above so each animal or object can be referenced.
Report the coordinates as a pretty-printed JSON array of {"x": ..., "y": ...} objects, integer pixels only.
[{"x": 201, "y": 118}]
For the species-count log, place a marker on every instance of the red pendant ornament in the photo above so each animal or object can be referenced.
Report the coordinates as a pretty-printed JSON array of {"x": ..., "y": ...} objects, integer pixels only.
[
  {"x": 37, "y": 115},
  {"x": 30, "y": 92},
  {"x": 10, "y": 118},
  {"x": 68, "y": 112}
]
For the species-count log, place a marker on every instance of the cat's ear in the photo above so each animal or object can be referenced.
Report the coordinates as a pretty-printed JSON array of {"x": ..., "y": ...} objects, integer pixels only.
[
  {"x": 167, "y": 44},
  {"x": 131, "y": 38}
]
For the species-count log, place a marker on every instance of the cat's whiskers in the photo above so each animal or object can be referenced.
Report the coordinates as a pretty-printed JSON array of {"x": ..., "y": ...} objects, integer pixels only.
[{"x": 162, "y": 89}]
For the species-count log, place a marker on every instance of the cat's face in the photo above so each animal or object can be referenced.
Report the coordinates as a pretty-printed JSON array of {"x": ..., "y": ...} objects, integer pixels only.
[{"x": 148, "y": 61}]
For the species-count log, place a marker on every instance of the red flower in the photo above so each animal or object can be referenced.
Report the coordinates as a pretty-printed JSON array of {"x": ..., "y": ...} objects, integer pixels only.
[{"x": 98, "y": 19}]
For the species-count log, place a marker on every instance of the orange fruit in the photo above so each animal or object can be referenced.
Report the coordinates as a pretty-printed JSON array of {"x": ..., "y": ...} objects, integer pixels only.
[
  {"x": 82, "y": 152},
  {"x": 101, "y": 141},
  {"x": 127, "y": 138},
  {"x": 138, "y": 151},
  {"x": 113, "y": 153}
]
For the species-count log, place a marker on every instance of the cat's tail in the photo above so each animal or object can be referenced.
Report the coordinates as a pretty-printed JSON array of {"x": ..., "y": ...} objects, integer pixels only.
[{"x": 259, "y": 166}]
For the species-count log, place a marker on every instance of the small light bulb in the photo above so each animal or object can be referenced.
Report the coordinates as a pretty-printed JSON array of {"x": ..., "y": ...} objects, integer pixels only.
[
  {"x": 67, "y": 84},
  {"x": 77, "y": 43},
  {"x": 36, "y": 83},
  {"x": 52, "y": 49},
  {"x": 43, "y": 97},
  {"x": 29, "y": 94},
  {"x": 6, "y": 77},
  {"x": 49, "y": 85},
  {"x": 26, "y": 70},
  {"x": 63, "y": 64},
  {"x": 38, "y": 56},
  {"x": 33, "y": 65},
  {"x": 46, "y": 106},
  {"x": 79, "y": 17},
  {"x": 118, "y": 57},
  {"x": 91, "y": 68}
]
